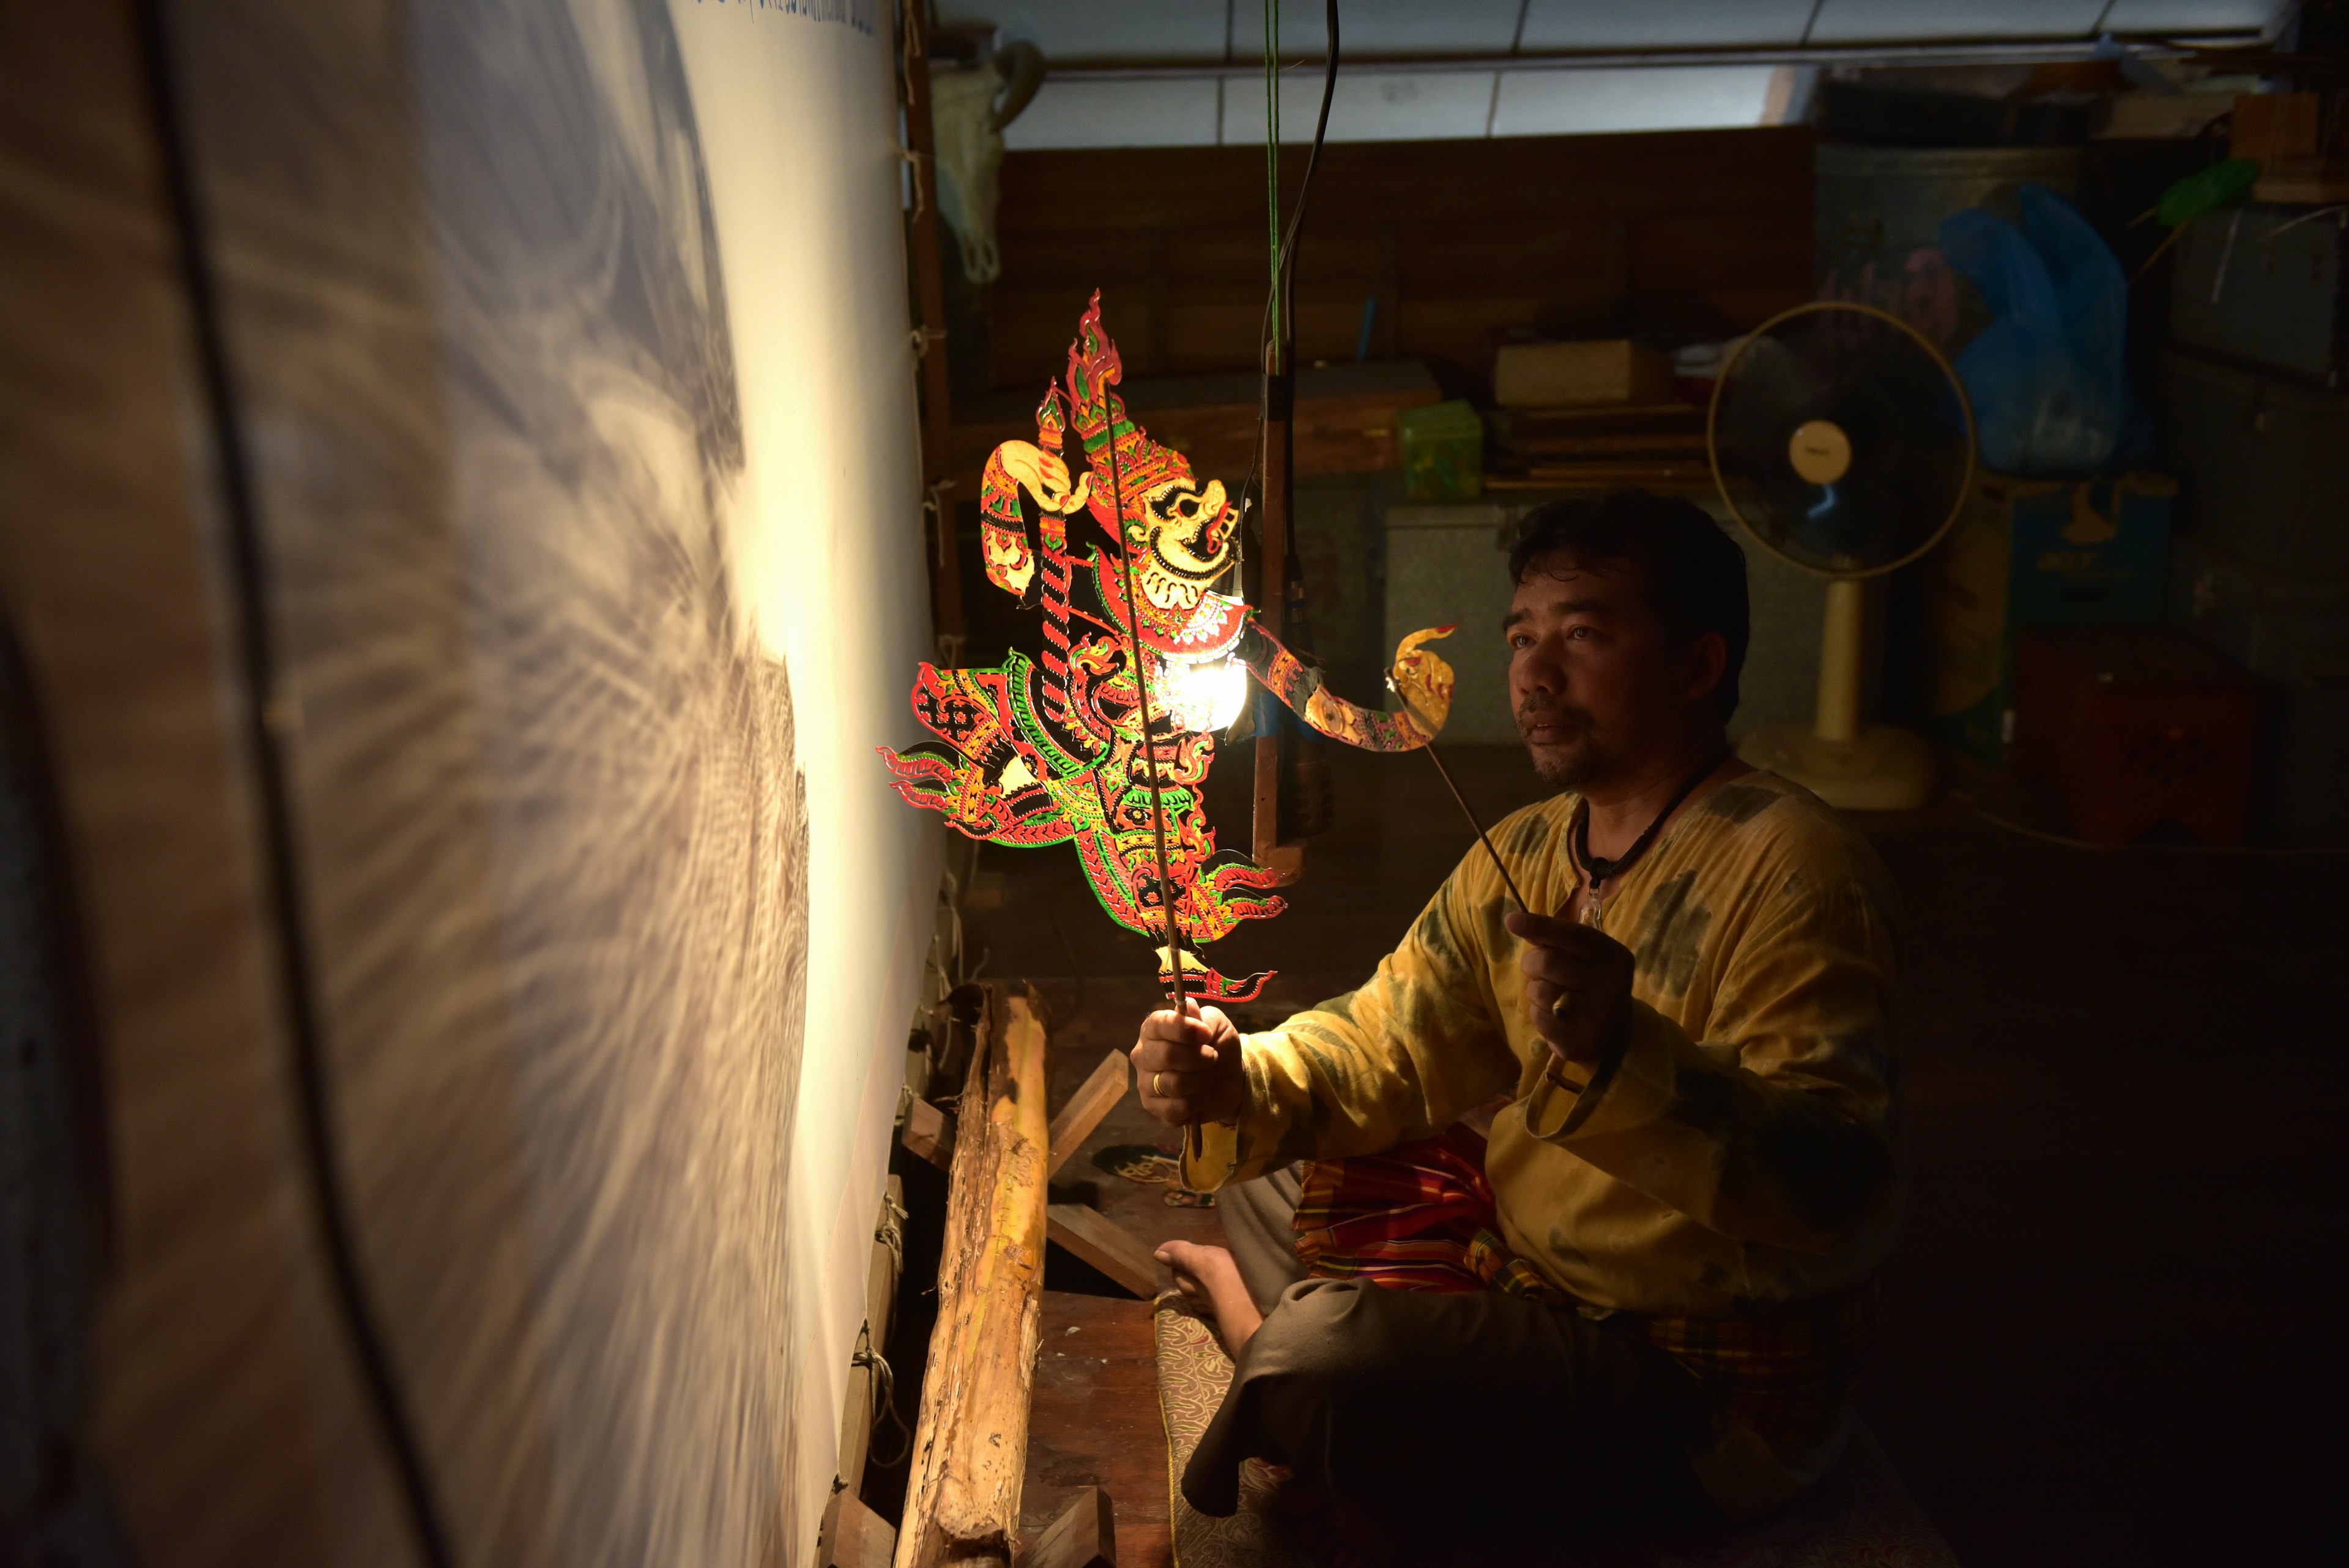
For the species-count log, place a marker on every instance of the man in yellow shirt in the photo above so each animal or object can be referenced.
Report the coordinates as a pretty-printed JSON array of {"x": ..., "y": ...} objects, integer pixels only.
[{"x": 1644, "y": 1289}]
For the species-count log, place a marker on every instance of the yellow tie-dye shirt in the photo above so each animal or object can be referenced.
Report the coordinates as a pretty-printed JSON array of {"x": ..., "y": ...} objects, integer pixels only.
[{"x": 1745, "y": 1155}]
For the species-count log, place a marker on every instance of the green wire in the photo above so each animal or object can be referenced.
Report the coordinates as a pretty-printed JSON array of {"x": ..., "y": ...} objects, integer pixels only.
[{"x": 1272, "y": 161}]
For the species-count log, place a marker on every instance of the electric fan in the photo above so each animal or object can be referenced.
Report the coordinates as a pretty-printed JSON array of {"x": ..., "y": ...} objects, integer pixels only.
[{"x": 1842, "y": 442}]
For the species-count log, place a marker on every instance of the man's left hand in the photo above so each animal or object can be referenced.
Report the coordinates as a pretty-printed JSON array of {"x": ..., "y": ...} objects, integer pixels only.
[{"x": 1591, "y": 969}]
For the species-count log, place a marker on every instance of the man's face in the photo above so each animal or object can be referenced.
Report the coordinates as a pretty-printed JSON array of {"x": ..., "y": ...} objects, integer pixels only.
[{"x": 1594, "y": 679}]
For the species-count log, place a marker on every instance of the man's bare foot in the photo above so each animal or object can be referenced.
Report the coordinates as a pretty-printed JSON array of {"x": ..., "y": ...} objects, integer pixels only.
[{"x": 1210, "y": 1281}]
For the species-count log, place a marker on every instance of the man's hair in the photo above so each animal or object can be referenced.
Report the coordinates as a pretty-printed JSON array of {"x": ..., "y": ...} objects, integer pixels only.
[{"x": 1690, "y": 571}]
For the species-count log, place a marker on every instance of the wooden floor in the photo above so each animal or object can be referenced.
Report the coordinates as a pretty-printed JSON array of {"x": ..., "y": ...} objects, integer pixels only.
[
  {"x": 1095, "y": 1421},
  {"x": 2112, "y": 1331}
]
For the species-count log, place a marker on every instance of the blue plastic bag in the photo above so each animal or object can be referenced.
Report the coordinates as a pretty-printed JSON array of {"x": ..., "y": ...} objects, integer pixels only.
[{"x": 2048, "y": 377}]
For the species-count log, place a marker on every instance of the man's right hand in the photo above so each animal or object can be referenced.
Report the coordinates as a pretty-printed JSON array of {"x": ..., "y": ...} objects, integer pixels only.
[{"x": 1188, "y": 1068}]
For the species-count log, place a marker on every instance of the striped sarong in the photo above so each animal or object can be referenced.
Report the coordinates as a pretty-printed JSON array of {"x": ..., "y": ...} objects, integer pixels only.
[{"x": 1422, "y": 1217}]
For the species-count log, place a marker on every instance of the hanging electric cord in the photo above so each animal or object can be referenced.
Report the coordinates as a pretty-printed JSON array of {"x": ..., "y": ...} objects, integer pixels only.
[
  {"x": 1284, "y": 299},
  {"x": 270, "y": 719},
  {"x": 1280, "y": 305}
]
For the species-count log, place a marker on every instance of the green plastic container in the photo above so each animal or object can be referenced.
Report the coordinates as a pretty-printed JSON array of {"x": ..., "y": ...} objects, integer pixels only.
[{"x": 1443, "y": 452}]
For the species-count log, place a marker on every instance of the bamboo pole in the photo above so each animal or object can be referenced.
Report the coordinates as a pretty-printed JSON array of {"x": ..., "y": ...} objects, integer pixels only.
[{"x": 971, "y": 1441}]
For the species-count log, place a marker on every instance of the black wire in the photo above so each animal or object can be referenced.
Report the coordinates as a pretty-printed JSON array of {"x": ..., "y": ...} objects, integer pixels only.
[
  {"x": 1287, "y": 294},
  {"x": 305, "y": 1029}
]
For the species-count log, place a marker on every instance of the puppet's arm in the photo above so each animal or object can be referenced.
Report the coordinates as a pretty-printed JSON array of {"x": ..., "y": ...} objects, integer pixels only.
[
  {"x": 1036, "y": 468},
  {"x": 1421, "y": 677}
]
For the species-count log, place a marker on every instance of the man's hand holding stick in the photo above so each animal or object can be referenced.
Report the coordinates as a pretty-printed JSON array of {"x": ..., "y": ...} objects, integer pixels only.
[{"x": 1188, "y": 1066}]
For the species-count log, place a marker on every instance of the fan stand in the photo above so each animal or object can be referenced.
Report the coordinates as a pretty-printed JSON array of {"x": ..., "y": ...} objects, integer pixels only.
[{"x": 1850, "y": 765}]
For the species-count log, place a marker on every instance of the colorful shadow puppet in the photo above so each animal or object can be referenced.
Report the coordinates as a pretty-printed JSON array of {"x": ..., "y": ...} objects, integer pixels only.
[{"x": 1059, "y": 750}]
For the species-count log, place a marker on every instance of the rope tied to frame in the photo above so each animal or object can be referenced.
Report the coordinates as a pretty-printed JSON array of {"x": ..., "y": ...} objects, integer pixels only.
[
  {"x": 891, "y": 1232},
  {"x": 885, "y": 1384}
]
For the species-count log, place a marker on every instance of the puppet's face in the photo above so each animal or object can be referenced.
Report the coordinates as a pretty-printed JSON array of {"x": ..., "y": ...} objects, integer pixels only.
[{"x": 1185, "y": 536}]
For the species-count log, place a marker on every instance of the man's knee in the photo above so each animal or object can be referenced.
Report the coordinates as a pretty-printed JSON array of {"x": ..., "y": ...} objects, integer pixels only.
[
  {"x": 1259, "y": 1224},
  {"x": 1327, "y": 1336},
  {"x": 1253, "y": 1212},
  {"x": 1344, "y": 1383}
]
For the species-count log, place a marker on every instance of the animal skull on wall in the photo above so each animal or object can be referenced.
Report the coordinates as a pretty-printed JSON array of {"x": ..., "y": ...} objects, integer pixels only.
[{"x": 970, "y": 106}]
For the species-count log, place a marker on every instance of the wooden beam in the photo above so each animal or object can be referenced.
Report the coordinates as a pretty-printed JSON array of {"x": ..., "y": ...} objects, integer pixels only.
[
  {"x": 970, "y": 1443},
  {"x": 855, "y": 1536},
  {"x": 1081, "y": 1534},
  {"x": 1094, "y": 1100},
  {"x": 1107, "y": 1245},
  {"x": 930, "y": 1133}
]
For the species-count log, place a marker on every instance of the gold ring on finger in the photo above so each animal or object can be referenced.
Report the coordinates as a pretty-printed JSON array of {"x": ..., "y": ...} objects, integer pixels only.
[
  {"x": 1155, "y": 1092},
  {"x": 1563, "y": 1005}
]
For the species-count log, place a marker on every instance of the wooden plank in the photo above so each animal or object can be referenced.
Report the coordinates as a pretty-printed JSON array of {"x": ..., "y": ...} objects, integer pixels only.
[
  {"x": 1107, "y": 1245},
  {"x": 930, "y": 1133},
  {"x": 1096, "y": 1420},
  {"x": 971, "y": 1441},
  {"x": 1549, "y": 449},
  {"x": 855, "y": 1536},
  {"x": 1094, "y": 1100},
  {"x": 1082, "y": 1534}
]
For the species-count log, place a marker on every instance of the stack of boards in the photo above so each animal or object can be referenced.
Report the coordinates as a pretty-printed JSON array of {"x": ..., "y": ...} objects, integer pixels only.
[
  {"x": 1654, "y": 446},
  {"x": 1595, "y": 416}
]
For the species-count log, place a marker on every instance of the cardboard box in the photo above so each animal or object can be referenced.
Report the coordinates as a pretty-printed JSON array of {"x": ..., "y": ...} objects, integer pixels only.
[
  {"x": 2292, "y": 631},
  {"x": 2137, "y": 727},
  {"x": 2263, "y": 460},
  {"x": 1576, "y": 375},
  {"x": 2035, "y": 552},
  {"x": 2256, "y": 285},
  {"x": 2282, "y": 626},
  {"x": 2299, "y": 139}
]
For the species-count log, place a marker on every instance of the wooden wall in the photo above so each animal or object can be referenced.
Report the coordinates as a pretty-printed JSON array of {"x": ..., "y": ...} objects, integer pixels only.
[{"x": 1459, "y": 243}]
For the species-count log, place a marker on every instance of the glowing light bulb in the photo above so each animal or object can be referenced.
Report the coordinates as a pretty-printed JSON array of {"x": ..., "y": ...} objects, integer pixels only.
[{"x": 1206, "y": 694}]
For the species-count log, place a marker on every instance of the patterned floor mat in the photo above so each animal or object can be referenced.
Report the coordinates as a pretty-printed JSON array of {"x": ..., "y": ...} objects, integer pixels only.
[{"x": 1193, "y": 1373}]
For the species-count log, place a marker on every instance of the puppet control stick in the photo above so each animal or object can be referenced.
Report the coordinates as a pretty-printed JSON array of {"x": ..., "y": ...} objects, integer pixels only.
[
  {"x": 1565, "y": 1000},
  {"x": 1192, "y": 1134},
  {"x": 1149, "y": 746}
]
